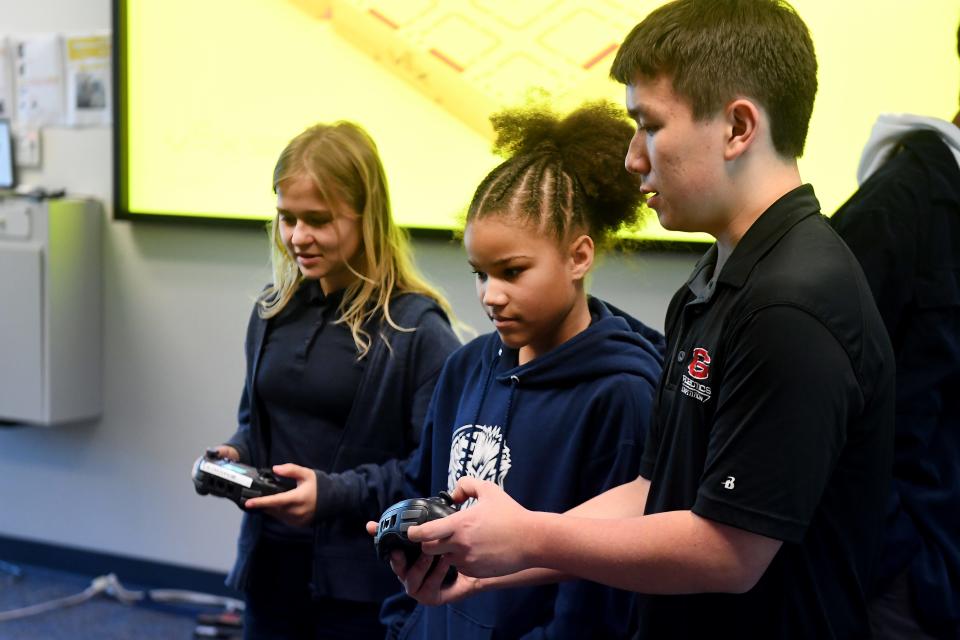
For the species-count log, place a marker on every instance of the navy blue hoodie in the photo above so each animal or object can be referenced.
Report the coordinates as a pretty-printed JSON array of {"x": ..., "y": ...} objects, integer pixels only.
[{"x": 553, "y": 433}]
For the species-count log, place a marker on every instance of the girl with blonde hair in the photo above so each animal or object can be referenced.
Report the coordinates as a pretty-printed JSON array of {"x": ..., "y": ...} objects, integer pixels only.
[{"x": 343, "y": 351}]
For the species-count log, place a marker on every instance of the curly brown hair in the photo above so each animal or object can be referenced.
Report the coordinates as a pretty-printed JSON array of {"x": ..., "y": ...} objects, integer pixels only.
[{"x": 562, "y": 174}]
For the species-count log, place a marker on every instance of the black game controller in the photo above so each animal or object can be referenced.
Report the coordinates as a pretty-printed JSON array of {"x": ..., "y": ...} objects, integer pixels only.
[
  {"x": 392, "y": 529},
  {"x": 235, "y": 481}
]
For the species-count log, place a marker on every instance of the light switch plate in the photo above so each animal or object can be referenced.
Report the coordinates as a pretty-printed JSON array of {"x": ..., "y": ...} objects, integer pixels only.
[{"x": 27, "y": 152}]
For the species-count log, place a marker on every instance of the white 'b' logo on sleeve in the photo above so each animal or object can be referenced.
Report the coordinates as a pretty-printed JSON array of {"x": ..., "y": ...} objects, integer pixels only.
[{"x": 729, "y": 482}]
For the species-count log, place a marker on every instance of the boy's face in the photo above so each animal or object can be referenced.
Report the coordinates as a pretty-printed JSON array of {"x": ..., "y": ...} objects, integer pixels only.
[{"x": 679, "y": 159}]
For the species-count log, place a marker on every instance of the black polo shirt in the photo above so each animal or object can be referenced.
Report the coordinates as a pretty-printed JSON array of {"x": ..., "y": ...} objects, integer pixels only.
[{"x": 775, "y": 415}]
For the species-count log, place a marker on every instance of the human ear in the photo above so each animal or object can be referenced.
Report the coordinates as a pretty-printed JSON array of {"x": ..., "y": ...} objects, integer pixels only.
[
  {"x": 581, "y": 254},
  {"x": 743, "y": 126}
]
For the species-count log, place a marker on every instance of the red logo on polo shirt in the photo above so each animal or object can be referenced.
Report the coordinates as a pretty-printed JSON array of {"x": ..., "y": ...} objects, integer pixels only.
[{"x": 699, "y": 364}]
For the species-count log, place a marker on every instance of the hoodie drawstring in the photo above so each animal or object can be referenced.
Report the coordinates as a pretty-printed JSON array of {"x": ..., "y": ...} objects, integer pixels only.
[
  {"x": 514, "y": 381},
  {"x": 476, "y": 416}
]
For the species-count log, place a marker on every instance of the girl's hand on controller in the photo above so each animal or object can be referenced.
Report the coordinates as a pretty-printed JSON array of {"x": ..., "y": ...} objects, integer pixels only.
[
  {"x": 295, "y": 507},
  {"x": 424, "y": 584},
  {"x": 228, "y": 452}
]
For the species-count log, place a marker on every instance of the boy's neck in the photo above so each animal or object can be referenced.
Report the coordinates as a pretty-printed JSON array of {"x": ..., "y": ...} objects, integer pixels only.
[{"x": 754, "y": 192}]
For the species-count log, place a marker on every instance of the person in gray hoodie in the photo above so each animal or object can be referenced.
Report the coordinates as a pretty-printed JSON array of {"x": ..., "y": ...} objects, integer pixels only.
[{"x": 903, "y": 224}]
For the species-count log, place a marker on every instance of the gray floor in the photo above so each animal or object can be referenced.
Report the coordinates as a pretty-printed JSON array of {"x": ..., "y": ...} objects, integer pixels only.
[{"x": 102, "y": 617}]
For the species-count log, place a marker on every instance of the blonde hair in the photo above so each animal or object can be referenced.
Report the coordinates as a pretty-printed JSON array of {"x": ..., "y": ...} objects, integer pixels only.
[{"x": 343, "y": 163}]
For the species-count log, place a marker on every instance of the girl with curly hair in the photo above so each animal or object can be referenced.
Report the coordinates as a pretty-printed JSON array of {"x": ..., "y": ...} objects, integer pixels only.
[{"x": 553, "y": 405}]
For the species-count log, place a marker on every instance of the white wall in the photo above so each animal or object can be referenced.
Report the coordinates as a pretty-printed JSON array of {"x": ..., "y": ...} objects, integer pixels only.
[{"x": 176, "y": 302}]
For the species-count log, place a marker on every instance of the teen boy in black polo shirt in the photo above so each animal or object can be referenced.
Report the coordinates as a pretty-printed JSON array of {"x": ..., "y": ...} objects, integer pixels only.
[{"x": 761, "y": 493}]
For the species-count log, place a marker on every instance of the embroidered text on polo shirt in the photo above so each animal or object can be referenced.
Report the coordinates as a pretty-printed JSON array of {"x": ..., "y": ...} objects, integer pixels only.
[{"x": 699, "y": 369}]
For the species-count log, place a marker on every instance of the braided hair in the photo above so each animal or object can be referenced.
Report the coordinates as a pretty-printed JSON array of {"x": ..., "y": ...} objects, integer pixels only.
[{"x": 562, "y": 175}]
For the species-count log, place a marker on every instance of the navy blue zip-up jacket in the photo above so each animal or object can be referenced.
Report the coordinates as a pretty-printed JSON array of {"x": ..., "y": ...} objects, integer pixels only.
[
  {"x": 384, "y": 423},
  {"x": 903, "y": 224},
  {"x": 553, "y": 433}
]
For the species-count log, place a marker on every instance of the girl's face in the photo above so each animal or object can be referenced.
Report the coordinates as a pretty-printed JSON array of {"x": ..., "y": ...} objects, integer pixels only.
[
  {"x": 322, "y": 237},
  {"x": 531, "y": 288}
]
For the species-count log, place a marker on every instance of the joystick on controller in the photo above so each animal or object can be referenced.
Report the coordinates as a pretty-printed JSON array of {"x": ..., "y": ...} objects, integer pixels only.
[{"x": 392, "y": 528}]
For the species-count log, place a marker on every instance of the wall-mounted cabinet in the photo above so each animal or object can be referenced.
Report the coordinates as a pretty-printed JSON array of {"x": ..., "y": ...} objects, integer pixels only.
[{"x": 51, "y": 346}]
